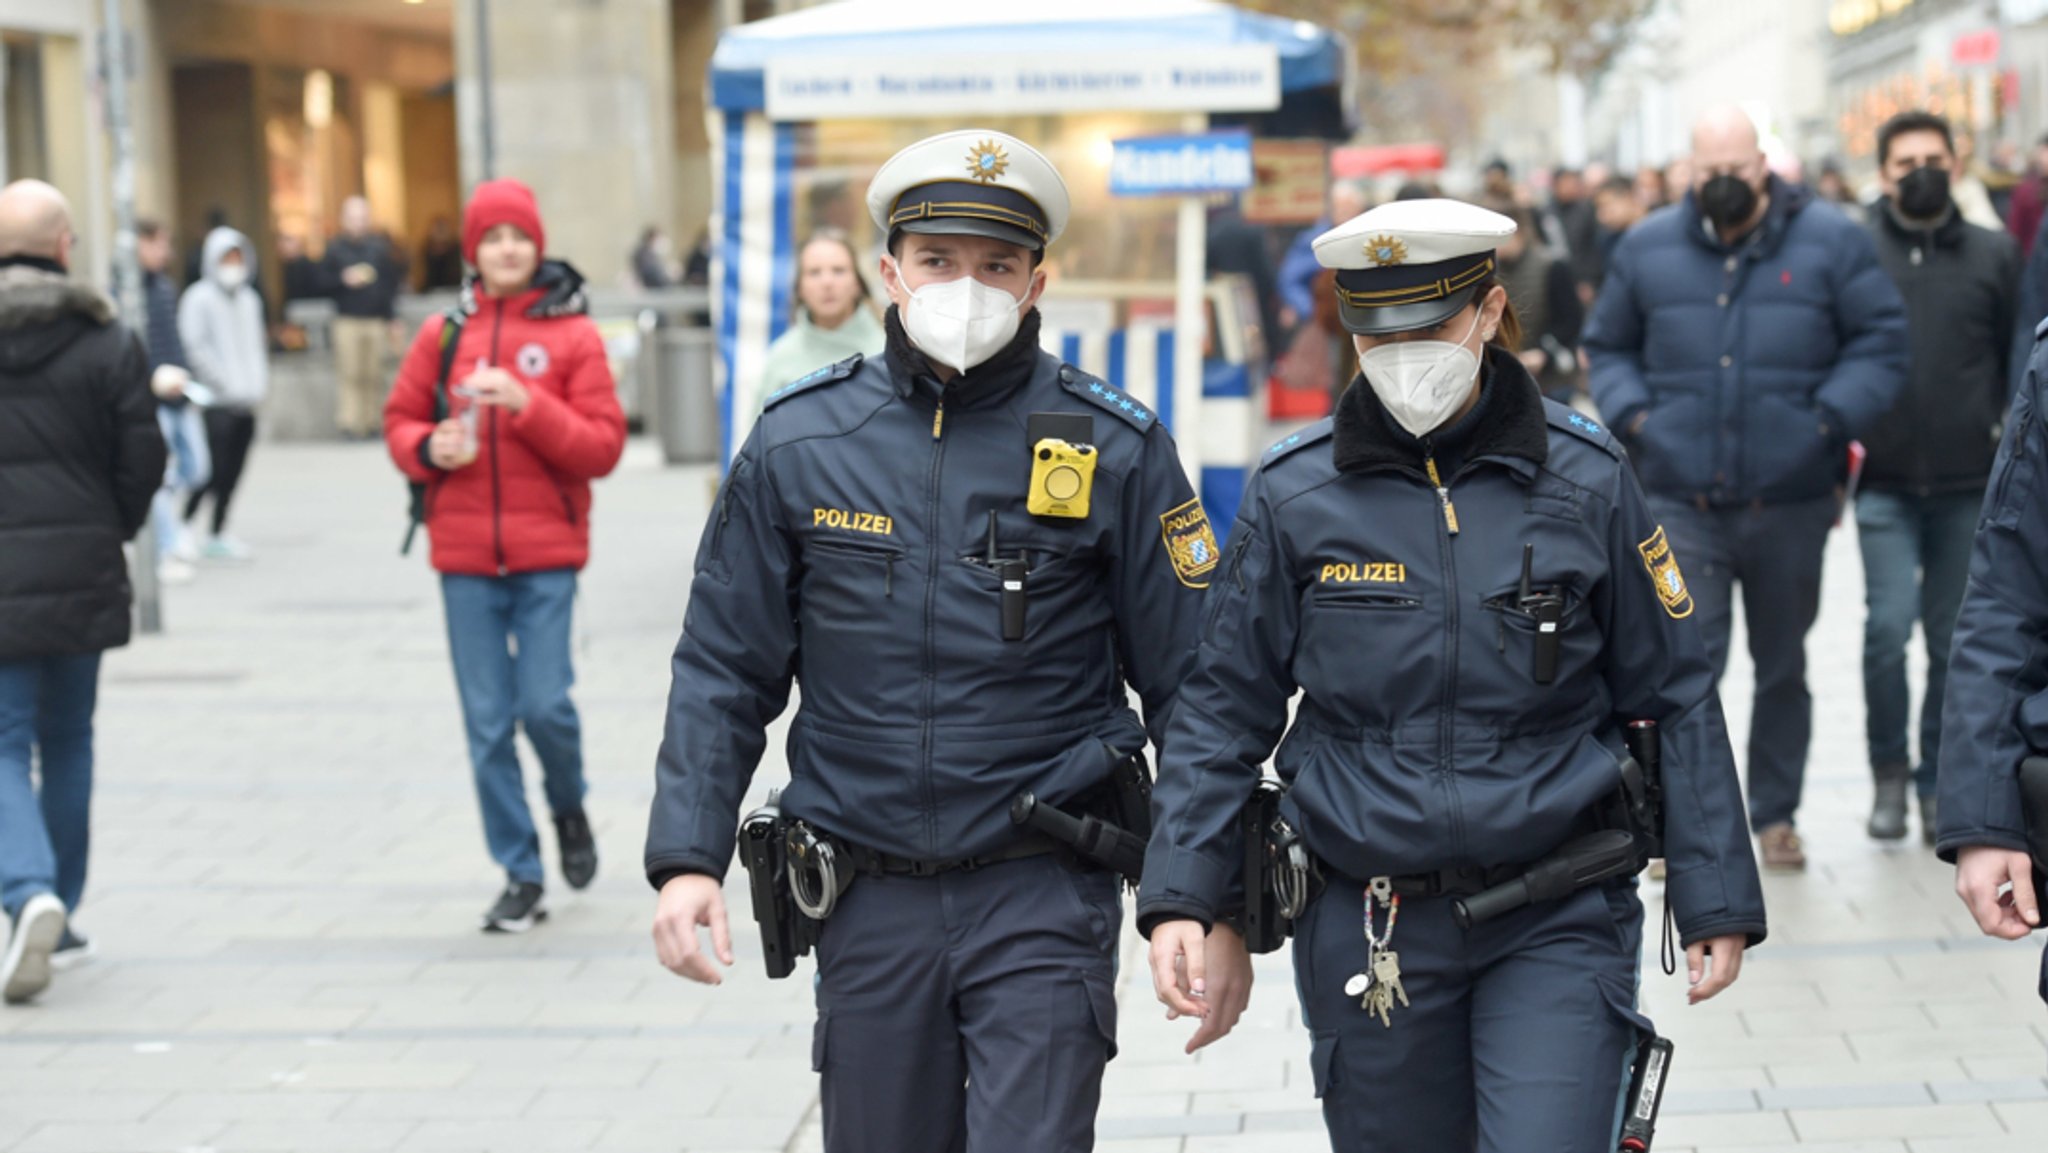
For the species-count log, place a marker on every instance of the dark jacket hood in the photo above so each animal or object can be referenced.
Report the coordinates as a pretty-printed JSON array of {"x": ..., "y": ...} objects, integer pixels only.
[
  {"x": 557, "y": 291},
  {"x": 42, "y": 312}
]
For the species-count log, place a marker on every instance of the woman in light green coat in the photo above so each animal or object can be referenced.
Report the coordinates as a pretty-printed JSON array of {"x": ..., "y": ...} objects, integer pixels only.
[{"x": 833, "y": 317}]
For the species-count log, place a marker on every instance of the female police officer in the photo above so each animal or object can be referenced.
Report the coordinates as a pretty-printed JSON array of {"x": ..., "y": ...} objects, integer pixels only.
[{"x": 1443, "y": 744}]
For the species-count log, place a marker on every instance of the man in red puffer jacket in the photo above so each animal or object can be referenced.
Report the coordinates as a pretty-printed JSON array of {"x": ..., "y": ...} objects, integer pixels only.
[{"x": 532, "y": 418}]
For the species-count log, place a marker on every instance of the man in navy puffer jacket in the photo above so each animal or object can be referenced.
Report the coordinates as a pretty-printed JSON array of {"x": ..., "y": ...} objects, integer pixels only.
[{"x": 1744, "y": 336}]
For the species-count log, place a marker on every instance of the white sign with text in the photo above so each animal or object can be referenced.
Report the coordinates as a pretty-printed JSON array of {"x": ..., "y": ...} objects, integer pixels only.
[{"x": 1243, "y": 78}]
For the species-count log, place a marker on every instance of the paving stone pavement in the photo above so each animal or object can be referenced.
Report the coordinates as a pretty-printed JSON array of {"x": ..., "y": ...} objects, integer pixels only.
[{"x": 289, "y": 870}]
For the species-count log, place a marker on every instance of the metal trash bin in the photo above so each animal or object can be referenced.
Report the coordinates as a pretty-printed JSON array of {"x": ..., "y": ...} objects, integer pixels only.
[{"x": 685, "y": 394}]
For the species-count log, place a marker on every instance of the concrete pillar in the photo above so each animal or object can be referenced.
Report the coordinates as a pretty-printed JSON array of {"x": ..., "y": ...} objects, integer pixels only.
[{"x": 583, "y": 100}]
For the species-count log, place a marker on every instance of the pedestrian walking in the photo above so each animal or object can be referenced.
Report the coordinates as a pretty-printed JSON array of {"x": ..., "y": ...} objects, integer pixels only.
[
  {"x": 506, "y": 411},
  {"x": 965, "y": 635},
  {"x": 362, "y": 275},
  {"x": 1993, "y": 711},
  {"x": 83, "y": 455},
  {"x": 834, "y": 317},
  {"x": 1742, "y": 339},
  {"x": 1546, "y": 300},
  {"x": 1929, "y": 457},
  {"x": 183, "y": 426},
  {"x": 220, "y": 321},
  {"x": 1470, "y": 592}
]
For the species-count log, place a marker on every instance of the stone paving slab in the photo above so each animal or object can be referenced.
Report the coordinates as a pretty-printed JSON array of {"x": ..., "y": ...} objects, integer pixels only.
[{"x": 288, "y": 871}]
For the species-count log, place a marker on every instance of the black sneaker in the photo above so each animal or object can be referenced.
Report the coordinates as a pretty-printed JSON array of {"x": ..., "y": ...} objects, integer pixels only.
[
  {"x": 579, "y": 848},
  {"x": 518, "y": 909},
  {"x": 72, "y": 951},
  {"x": 25, "y": 968}
]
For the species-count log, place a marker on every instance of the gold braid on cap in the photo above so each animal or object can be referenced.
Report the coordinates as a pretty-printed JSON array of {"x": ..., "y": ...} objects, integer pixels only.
[
  {"x": 1435, "y": 290},
  {"x": 948, "y": 210}
]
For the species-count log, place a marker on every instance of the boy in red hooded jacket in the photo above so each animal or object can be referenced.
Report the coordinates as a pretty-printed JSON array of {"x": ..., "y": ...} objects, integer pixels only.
[{"x": 533, "y": 418}]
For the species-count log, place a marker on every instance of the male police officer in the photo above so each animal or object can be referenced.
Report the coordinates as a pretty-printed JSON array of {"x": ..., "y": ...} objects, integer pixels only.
[{"x": 864, "y": 544}]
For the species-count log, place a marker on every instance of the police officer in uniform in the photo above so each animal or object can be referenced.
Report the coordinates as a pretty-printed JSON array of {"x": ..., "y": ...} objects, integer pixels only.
[
  {"x": 1377, "y": 565},
  {"x": 868, "y": 544},
  {"x": 1995, "y": 714}
]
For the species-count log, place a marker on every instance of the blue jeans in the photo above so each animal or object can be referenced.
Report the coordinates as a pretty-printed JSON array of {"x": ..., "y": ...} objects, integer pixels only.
[
  {"x": 1916, "y": 560},
  {"x": 509, "y": 636},
  {"x": 1774, "y": 552},
  {"x": 46, "y": 715},
  {"x": 190, "y": 467}
]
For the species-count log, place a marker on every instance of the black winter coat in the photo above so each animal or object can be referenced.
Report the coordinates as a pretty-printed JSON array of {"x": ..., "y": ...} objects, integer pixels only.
[
  {"x": 80, "y": 457},
  {"x": 1959, "y": 283}
]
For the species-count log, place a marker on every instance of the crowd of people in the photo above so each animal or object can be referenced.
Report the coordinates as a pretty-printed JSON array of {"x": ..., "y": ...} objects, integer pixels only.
[{"x": 1730, "y": 359}]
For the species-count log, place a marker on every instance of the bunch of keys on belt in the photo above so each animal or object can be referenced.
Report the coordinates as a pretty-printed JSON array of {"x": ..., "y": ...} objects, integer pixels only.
[{"x": 1380, "y": 984}]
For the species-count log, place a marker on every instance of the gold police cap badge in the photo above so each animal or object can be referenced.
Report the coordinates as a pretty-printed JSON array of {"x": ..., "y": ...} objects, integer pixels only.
[
  {"x": 1663, "y": 569},
  {"x": 987, "y": 161},
  {"x": 1386, "y": 251}
]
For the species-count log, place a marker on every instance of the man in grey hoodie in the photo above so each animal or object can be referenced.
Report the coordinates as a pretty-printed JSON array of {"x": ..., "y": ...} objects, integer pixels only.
[{"x": 220, "y": 319}]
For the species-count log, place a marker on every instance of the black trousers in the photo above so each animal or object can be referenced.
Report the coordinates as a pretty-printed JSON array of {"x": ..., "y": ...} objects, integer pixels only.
[{"x": 229, "y": 433}]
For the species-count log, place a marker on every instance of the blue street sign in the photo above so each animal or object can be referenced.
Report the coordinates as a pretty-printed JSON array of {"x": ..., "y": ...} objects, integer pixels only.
[{"x": 1182, "y": 165}]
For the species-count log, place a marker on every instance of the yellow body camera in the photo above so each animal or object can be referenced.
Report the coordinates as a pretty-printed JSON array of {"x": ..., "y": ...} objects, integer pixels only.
[{"x": 1062, "y": 476}]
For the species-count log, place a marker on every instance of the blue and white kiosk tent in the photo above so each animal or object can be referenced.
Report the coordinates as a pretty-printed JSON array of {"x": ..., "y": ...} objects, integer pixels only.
[{"x": 807, "y": 105}]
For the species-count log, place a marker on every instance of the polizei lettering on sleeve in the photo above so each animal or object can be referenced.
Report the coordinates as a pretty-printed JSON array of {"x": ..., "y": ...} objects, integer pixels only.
[
  {"x": 868, "y": 522},
  {"x": 1374, "y": 573}
]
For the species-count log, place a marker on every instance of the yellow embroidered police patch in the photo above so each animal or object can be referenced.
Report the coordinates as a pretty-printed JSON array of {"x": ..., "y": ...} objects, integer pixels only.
[
  {"x": 1190, "y": 542},
  {"x": 1663, "y": 568}
]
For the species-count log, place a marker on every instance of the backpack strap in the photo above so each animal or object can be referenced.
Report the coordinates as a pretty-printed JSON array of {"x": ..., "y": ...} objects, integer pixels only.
[{"x": 451, "y": 334}]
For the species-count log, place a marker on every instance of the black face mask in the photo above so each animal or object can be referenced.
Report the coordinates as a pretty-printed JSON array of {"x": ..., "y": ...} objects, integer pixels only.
[
  {"x": 1923, "y": 192},
  {"x": 1727, "y": 200}
]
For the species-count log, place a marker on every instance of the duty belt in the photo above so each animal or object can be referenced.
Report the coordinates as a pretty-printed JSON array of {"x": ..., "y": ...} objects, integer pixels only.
[
  {"x": 1464, "y": 881},
  {"x": 881, "y": 864}
]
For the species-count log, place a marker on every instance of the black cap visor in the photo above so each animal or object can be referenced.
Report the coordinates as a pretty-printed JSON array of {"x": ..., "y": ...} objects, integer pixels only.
[
  {"x": 1395, "y": 318},
  {"x": 969, "y": 226}
]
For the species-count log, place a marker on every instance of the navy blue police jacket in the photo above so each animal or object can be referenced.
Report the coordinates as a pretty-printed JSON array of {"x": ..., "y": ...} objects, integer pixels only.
[
  {"x": 1995, "y": 712},
  {"x": 1422, "y": 740},
  {"x": 1757, "y": 361},
  {"x": 846, "y": 552}
]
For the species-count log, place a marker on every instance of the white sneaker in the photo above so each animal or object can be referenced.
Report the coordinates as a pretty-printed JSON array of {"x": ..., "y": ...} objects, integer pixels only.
[
  {"x": 187, "y": 548},
  {"x": 172, "y": 571},
  {"x": 37, "y": 928},
  {"x": 227, "y": 548}
]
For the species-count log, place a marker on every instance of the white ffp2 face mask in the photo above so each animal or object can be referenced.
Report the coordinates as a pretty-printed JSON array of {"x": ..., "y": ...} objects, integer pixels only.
[
  {"x": 232, "y": 276},
  {"x": 1422, "y": 382},
  {"x": 959, "y": 323}
]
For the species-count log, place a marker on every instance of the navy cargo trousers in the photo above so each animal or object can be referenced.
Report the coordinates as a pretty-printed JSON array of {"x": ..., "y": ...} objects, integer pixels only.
[
  {"x": 968, "y": 1012},
  {"x": 1519, "y": 1034}
]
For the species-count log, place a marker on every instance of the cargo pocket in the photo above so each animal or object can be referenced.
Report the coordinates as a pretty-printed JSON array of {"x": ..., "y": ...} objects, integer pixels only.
[
  {"x": 1322, "y": 1061},
  {"x": 818, "y": 1035},
  {"x": 1102, "y": 1011}
]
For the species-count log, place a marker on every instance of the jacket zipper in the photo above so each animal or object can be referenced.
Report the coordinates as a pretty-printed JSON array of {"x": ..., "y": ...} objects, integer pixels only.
[
  {"x": 931, "y": 593},
  {"x": 1443, "y": 495},
  {"x": 1448, "y": 709},
  {"x": 497, "y": 503}
]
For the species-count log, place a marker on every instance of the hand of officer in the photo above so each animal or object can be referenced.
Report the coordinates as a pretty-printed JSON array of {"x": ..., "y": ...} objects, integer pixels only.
[
  {"x": 686, "y": 902},
  {"x": 1982, "y": 872},
  {"x": 1230, "y": 986},
  {"x": 1726, "y": 954},
  {"x": 1180, "y": 968},
  {"x": 494, "y": 385},
  {"x": 445, "y": 446}
]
